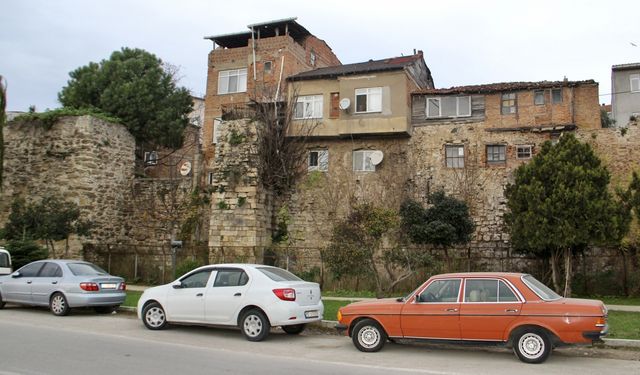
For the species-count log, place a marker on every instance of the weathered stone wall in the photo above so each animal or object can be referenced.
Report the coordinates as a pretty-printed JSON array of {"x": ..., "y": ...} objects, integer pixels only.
[
  {"x": 241, "y": 209},
  {"x": 85, "y": 160}
]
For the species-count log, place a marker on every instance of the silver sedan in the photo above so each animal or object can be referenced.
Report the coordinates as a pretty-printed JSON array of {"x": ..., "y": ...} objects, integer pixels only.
[{"x": 62, "y": 285}]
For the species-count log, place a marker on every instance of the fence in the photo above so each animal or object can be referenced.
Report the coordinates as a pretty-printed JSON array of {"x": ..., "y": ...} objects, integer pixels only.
[{"x": 597, "y": 272}]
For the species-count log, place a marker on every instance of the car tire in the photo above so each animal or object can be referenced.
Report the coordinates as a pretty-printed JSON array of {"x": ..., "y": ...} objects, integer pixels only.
[
  {"x": 2, "y": 303},
  {"x": 58, "y": 304},
  {"x": 368, "y": 336},
  {"x": 105, "y": 309},
  {"x": 295, "y": 329},
  {"x": 254, "y": 325},
  {"x": 154, "y": 317},
  {"x": 532, "y": 345}
]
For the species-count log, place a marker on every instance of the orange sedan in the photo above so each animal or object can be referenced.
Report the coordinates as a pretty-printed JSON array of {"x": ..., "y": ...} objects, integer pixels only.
[{"x": 505, "y": 308}]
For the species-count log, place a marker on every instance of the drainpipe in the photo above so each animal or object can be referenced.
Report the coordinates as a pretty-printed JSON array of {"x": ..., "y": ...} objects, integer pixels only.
[
  {"x": 275, "y": 101},
  {"x": 253, "y": 45}
]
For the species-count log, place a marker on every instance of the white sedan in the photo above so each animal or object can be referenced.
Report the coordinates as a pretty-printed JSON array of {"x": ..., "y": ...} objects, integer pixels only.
[{"x": 252, "y": 297}]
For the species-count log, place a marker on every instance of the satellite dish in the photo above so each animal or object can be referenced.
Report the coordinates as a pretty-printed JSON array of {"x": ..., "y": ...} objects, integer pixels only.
[
  {"x": 185, "y": 168},
  {"x": 345, "y": 103},
  {"x": 376, "y": 157}
]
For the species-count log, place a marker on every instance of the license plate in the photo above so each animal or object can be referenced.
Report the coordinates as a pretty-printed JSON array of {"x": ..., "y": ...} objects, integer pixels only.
[
  {"x": 311, "y": 314},
  {"x": 108, "y": 286}
]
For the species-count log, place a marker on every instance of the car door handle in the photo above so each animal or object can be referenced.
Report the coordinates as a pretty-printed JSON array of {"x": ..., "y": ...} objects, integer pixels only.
[
  {"x": 451, "y": 310},
  {"x": 237, "y": 294},
  {"x": 29, "y": 282},
  {"x": 511, "y": 310},
  {"x": 54, "y": 282},
  {"x": 199, "y": 295}
]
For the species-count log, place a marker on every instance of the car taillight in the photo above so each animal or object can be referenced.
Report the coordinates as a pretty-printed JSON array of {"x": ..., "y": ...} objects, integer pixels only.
[
  {"x": 123, "y": 286},
  {"x": 339, "y": 315},
  {"x": 286, "y": 294},
  {"x": 89, "y": 287},
  {"x": 601, "y": 322}
]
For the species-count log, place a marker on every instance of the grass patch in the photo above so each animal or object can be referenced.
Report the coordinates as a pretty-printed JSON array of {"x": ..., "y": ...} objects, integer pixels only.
[
  {"x": 331, "y": 308},
  {"x": 624, "y": 325},
  {"x": 132, "y": 298}
]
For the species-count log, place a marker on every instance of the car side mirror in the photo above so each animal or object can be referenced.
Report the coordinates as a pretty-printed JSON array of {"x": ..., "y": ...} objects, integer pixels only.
[
  {"x": 418, "y": 298},
  {"x": 177, "y": 285},
  {"x": 16, "y": 274}
]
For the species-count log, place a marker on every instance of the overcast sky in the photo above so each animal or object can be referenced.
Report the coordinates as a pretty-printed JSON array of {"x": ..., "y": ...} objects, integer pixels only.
[{"x": 464, "y": 42}]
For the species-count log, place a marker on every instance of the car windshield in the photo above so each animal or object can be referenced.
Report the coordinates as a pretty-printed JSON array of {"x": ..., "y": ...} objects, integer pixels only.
[
  {"x": 278, "y": 274},
  {"x": 86, "y": 269},
  {"x": 540, "y": 289}
]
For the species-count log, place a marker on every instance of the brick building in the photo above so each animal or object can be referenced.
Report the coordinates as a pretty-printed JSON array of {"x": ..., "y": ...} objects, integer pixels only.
[{"x": 254, "y": 65}]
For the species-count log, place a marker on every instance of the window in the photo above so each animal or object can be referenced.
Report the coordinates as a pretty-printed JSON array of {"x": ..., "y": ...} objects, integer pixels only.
[
  {"x": 50, "y": 270},
  {"x": 538, "y": 97},
  {"x": 523, "y": 151},
  {"x": 509, "y": 104},
  {"x": 210, "y": 178},
  {"x": 267, "y": 66},
  {"x": 488, "y": 291},
  {"x": 496, "y": 154},
  {"x": 309, "y": 106},
  {"x": 312, "y": 58},
  {"x": 449, "y": 106},
  {"x": 217, "y": 127},
  {"x": 540, "y": 289},
  {"x": 231, "y": 278},
  {"x": 230, "y": 81},
  {"x": 318, "y": 160},
  {"x": 86, "y": 269},
  {"x": 278, "y": 274},
  {"x": 30, "y": 270},
  {"x": 556, "y": 96},
  {"x": 454, "y": 156},
  {"x": 441, "y": 291},
  {"x": 196, "y": 280},
  {"x": 4, "y": 260},
  {"x": 151, "y": 158},
  {"x": 369, "y": 100},
  {"x": 634, "y": 82},
  {"x": 362, "y": 161}
]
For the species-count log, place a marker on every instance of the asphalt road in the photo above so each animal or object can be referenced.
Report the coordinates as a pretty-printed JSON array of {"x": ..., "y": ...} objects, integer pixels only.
[{"x": 36, "y": 342}]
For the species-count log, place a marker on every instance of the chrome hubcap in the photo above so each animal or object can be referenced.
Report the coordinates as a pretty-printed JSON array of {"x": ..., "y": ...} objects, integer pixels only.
[
  {"x": 531, "y": 345},
  {"x": 57, "y": 304},
  {"x": 155, "y": 316},
  {"x": 252, "y": 325},
  {"x": 369, "y": 337}
]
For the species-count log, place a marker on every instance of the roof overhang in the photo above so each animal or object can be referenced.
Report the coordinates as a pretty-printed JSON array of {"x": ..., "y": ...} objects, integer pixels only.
[{"x": 285, "y": 26}]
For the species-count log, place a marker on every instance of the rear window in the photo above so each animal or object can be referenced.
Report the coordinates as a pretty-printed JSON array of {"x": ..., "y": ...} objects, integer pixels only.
[
  {"x": 4, "y": 260},
  {"x": 540, "y": 289},
  {"x": 86, "y": 269},
  {"x": 278, "y": 274}
]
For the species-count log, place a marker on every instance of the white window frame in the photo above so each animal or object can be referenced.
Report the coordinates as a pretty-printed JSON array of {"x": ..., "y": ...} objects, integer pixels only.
[
  {"x": 223, "y": 80},
  {"x": 452, "y": 158},
  {"x": 370, "y": 92},
  {"x": 322, "y": 160},
  {"x": 364, "y": 166},
  {"x": 312, "y": 102},
  {"x": 151, "y": 158},
  {"x": 524, "y": 147},
  {"x": 632, "y": 78},
  {"x": 458, "y": 106}
]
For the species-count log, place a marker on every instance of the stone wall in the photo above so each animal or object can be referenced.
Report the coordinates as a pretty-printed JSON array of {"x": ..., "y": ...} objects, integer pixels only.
[{"x": 85, "y": 160}]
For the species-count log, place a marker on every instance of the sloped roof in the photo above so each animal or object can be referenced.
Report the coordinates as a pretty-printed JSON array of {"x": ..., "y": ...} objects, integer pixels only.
[
  {"x": 389, "y": 64},
  {"x": 505, "y": 86},
  {"x": 631, "y": 66}
]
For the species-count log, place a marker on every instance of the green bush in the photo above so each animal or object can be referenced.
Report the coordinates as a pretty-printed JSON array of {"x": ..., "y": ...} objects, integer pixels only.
[
  {"x": 24, "y": 252},
  {"x": 187, "y": 265}
]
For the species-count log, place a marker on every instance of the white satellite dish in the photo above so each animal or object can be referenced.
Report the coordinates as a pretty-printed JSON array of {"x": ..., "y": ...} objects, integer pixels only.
[
  {"x": 185, "y": 168},
  {"x": 376, "y": 157},
  {"x": 345, "y": 103}
]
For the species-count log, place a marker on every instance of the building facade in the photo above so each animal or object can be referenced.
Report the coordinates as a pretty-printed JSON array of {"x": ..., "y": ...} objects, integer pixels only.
[{"x": 625, "y": 97}]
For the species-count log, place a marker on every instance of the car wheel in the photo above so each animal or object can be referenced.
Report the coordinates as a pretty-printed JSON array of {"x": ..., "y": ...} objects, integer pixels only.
[
  {"x": 532, "y": 345},
  {"x": 153, "y": 316},
  {"x": 255, "y": 325},
  {"x": 58, "y": 304},
  {"x": 294, "y": 329},
  {"x": 368, "y": 336},
  {"x": 105, "y": 309}
]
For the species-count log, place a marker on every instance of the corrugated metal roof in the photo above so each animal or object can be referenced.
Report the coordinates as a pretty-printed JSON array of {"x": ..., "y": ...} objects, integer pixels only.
[
  {"x": 389, "y": 64},
  {"x": 504, "y": 86},
  {"x": 266, "y": 29}
]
